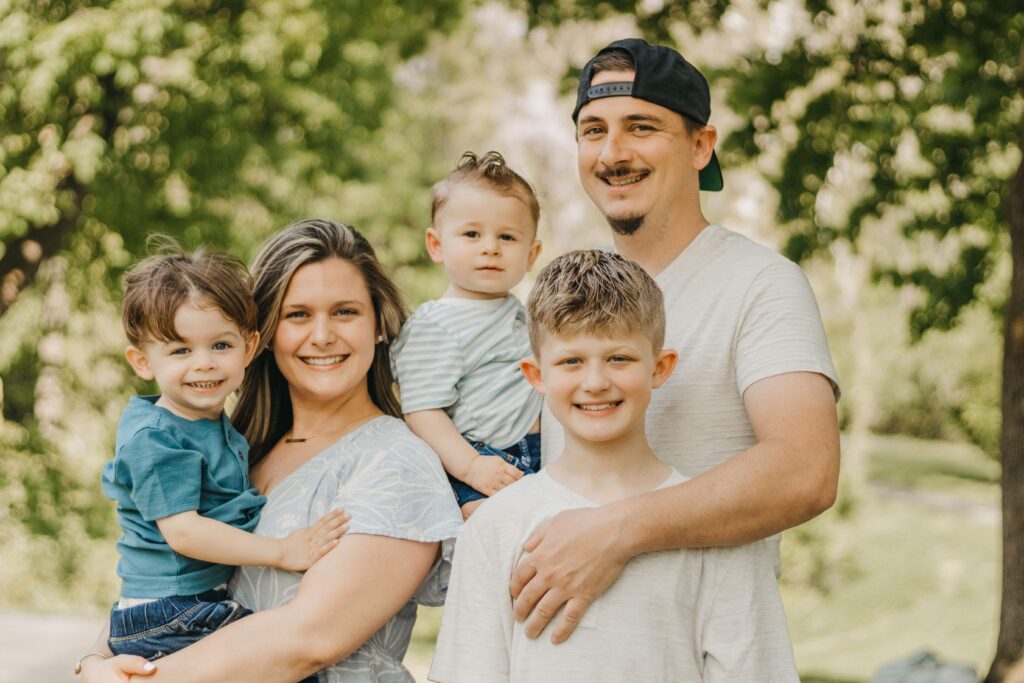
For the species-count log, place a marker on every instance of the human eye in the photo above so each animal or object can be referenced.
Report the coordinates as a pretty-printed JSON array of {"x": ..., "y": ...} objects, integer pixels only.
[
  {"x": 222, "y": 346},
  {"x": 295, "y": 315},
  {"x": 619, "y": 358},
  {"x": 591, "y": 131},
  {"x": 179, "y": 351},
  {"x": 508, "y": 237},
  {"x": 570, "y": 362},
  {"x": 472, "y": 234},
  {"x": 346, "y": 311}
]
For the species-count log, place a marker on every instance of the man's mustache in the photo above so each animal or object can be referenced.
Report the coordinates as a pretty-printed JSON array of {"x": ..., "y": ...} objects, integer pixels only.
[{"x": 616, "y": 172}]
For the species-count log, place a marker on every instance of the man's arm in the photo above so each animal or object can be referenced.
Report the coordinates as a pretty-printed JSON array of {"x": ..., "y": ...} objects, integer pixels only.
[{"x": 788, "y": 477}]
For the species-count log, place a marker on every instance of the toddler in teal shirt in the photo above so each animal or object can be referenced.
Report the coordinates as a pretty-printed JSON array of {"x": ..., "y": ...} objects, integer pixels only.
[{"x": 180, "y": 471}]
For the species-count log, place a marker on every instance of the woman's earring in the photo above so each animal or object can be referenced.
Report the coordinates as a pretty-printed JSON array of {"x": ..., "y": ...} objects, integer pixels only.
[{"x": 380, "y": 338}]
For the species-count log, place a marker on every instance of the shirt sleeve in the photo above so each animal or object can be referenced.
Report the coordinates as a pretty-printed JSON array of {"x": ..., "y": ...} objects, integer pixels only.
[
  {"x": 472, "y": 644},
  {"x": 428, "y": 364},
  {"x": 163, "y": 478},
  {"x": 781, "y": 330},
  {"x": 744, "y": 636}
]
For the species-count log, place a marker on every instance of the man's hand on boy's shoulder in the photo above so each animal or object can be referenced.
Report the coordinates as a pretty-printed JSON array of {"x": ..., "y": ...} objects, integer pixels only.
[{"x": 574, "y": 557}]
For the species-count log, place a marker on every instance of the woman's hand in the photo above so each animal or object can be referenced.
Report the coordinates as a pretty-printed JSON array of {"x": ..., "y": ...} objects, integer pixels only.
[
  {"x": 303, "y": 547},
  {"x": 119, "y": 669}
]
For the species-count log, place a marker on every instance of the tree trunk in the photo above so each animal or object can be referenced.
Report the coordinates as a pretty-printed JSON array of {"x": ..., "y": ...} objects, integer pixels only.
[{"x": 1008, "y": 666}]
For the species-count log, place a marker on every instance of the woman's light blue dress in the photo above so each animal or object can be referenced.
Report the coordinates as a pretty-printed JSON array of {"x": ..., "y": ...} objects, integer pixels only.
[{"x": 392, "y": 484}]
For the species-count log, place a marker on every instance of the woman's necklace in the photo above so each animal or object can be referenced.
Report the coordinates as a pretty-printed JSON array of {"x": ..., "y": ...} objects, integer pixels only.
[{"x": 291, "y": 438}]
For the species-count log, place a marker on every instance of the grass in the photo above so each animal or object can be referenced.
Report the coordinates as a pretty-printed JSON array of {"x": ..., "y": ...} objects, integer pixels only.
[{"x": 916, "y": 575}]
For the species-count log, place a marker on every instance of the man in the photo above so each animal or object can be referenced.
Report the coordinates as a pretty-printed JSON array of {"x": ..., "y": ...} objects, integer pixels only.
[{"x": 750, "y": 413}]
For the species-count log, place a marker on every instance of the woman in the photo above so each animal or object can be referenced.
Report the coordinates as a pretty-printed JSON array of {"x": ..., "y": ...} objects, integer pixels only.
[{"x": 319, "y": 411}]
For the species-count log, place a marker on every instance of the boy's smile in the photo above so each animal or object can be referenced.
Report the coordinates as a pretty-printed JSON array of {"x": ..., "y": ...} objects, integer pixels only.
[{"x": 197, "y": 372}]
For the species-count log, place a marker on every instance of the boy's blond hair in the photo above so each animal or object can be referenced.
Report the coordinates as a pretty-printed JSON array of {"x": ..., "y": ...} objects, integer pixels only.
[
  {"x": 156, "y": 287},
  {"x": 597, "y": 293},
  {"x": 488, "y": 171}
]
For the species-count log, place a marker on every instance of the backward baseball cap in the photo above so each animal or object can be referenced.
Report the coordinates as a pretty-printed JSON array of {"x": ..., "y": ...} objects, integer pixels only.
[{"x": 663, "y": 77}]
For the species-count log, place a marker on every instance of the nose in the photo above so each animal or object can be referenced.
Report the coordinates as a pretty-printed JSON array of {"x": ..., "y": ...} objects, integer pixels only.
[
  {"x": 322, "y": 333},
  {"x": 616, "y": 150},
  {"x": 595, "y": 379},
  {"x": 490, "y": 244},
  {"x": 203, "y": 359}
]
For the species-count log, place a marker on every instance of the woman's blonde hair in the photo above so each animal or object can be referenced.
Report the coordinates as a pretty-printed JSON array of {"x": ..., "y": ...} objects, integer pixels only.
[{"x": 264, "y": 410}]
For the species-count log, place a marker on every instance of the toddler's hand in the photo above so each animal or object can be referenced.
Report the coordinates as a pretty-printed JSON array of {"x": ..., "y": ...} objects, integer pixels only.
[
  {"x": 303, "y": 547},
  {"x": 490, "y": 474}
]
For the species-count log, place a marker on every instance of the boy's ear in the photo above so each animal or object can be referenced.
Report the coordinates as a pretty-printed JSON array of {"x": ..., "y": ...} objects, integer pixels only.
[
  {"x": 251, "y": 345},
  {"x": 531, "y": 371},
  {"x": 433, "y": 240},
  {"x": 664, "y": 366},
  {"x": 139, "y": 361},
  {"x": 534, "y": 253}
]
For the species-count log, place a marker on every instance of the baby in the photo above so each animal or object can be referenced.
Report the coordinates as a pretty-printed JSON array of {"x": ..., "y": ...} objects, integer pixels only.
[
  {"x": 180, "y": 474},
  {"x": 457, "y": 358}
]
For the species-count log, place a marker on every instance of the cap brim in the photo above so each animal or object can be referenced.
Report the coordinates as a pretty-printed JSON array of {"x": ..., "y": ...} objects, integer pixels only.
[{"x": 711, "y": 176}]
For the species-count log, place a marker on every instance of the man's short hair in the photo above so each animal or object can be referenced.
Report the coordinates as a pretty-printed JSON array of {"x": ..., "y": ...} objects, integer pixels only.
[
  {"x": 155, "y": 288},
  {"x": 621, "y": 60},
  {"x": 488, "y": 171},
  {"x": 597, "y": 293}
]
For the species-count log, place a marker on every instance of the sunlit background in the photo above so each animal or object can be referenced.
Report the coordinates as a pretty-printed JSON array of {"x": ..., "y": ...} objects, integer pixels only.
[{"x": 873, "y": 141}]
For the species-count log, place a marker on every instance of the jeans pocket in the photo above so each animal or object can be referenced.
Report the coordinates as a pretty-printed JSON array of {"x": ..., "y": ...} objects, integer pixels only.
[{"x": 210, "y": 616}]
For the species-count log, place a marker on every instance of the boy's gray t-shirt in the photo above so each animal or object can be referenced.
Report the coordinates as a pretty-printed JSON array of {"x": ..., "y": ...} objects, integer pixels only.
[{"x": 681, "y": 615}]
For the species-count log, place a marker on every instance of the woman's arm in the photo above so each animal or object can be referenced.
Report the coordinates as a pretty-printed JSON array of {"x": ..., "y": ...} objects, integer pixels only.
[{"x": 343, "y": 599}]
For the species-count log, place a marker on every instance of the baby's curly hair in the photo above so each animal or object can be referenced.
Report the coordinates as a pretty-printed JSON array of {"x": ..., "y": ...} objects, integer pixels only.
[
  {"x": 597, "y": 293},
  {"x": 156, "y": 287},
  {"x": 489, "y": 171}
]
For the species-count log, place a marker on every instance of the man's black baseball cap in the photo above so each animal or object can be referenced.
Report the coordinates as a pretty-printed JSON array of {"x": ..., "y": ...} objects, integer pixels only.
[{"x": 664, "y": 78}]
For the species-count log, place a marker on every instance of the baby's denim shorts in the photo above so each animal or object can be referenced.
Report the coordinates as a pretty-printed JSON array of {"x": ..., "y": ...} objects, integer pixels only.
[
  {"x": 524, "y": 455},
  {"x": 159, "y": 627}
]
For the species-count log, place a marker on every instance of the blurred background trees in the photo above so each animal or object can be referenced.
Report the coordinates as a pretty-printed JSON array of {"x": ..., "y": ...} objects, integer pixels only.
[{"x": 874, "y": 141}]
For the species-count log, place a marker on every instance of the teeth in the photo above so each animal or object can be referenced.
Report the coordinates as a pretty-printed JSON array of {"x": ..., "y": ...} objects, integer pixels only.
[
  {"x": 597, "y": 406},
  {"x": 329, "y": 360},
  {"x": 619, "y": 182},
  {"x": 206, "y": 385}
]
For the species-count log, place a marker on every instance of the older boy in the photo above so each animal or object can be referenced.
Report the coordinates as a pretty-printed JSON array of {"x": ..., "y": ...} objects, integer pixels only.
[{"x": 597, "y": 325}]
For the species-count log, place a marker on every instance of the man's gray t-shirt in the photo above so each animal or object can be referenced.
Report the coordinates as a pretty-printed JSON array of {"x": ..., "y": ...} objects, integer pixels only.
[{"x": 736, "y": 312}]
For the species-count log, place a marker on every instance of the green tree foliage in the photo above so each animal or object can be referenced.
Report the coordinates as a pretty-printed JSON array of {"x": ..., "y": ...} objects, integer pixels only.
[{"x": 215, "y": 122}]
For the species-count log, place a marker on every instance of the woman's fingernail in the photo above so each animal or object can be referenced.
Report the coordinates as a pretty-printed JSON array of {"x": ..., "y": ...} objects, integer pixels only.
[{"x": 149, "y": 666}]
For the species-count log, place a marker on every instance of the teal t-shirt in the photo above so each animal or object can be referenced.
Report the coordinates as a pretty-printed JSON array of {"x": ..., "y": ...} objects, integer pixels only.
[{"x": 165, "y": 464}]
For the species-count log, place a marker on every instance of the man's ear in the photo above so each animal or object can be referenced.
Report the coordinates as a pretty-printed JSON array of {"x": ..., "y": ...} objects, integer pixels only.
[
  {"x": 664, "y": 366},
  {"x": 704, "y": 145},
  {"x": 534, "y": 253},
  {"x": 433, "y": 240},
  {"x": 139, "y": 361},
  {"x": 531, "y": 371},
  {"x": 251, "y": 345}
]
